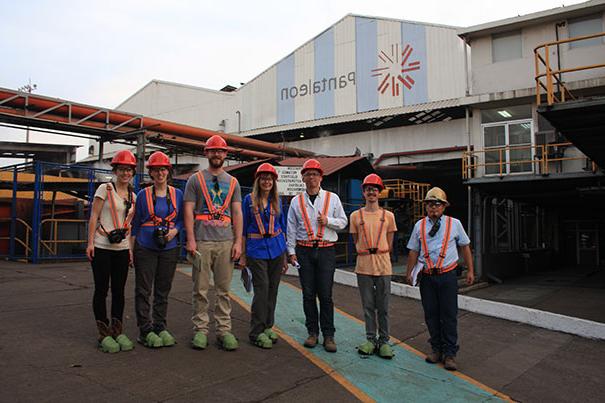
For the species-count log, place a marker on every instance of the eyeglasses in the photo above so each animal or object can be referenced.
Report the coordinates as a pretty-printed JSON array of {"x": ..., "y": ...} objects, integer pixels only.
[
  {"x": 217, "y": 187},
  {"x": 311, "y": 174},
  {"x": 371, "y": 189},
  {"x": 123, "y": 169},
  {"x": 267, "y": 178},
  {"x": 435, "y": 204},
  {"x": 160, "y": 169}
]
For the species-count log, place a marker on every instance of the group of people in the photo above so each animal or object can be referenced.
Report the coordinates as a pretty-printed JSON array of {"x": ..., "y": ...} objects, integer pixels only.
[{"x": 221, "y": 229}]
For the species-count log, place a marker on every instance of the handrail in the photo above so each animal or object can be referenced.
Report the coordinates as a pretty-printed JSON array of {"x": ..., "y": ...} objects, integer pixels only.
[
  {"x": 51, "y": 245},
  {"x": 551, "y": 74},
  {"x": 544, "y": 155},
  {"x": 28, "y": 230}
]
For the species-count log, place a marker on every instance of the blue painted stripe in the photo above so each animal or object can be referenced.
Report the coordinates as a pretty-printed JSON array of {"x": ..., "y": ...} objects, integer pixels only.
[
  {"x": 286, "y": 91},
  {"x": 405, "y": 378},
  {"x": 324, "y": 70},
  {"x": 366, "y": 32},
  {"x": 415, "y": 36}
]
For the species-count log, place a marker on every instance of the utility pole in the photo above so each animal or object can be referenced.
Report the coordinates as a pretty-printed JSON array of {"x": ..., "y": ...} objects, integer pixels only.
[{"x": 29, "y": 88}]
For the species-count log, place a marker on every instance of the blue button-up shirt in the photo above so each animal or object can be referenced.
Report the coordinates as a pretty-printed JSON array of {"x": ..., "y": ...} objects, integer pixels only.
[
  {"x": 263, "y": 248},
  {"x": 458, "y": 237}
]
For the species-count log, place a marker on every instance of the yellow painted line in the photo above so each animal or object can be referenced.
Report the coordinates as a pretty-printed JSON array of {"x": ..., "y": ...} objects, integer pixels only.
[
  {"x": 354, "y": 390},
  {"x": 422, "y": 355}
]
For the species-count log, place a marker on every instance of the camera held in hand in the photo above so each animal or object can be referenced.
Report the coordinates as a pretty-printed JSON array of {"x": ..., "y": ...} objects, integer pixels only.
[
  {"x": 159, "y": 235},
  {"x": 117, "y": 235}
]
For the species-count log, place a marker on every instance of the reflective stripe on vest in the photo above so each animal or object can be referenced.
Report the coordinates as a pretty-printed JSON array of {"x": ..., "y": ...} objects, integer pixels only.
[
  {"x": 429, "y": 263},
  {"x": 307, "y": 222},
  {"x": 155, "y": 220},
  {"x": 214, "y": 213},
  {"x": 369, "y": 249},
  {"x": 261, "y": 227}
]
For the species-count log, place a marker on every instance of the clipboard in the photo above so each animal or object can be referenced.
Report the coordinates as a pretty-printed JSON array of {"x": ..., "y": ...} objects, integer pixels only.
[{"x": 417, "y": 269}]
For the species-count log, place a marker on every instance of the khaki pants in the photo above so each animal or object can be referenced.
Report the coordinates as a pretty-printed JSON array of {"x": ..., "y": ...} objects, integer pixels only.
[{"x": 215, "y": 258}]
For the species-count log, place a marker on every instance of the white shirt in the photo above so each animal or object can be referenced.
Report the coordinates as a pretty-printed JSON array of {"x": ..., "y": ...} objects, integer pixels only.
[{"x": 337, "y": 219}]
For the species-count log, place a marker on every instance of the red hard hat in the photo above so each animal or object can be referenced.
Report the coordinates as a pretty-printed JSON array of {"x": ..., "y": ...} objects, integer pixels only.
[
  {"x": 158, "y": 159},
  {"x": 216, "y": 142},
  {"x": 312, "y": 164},
  {"x": 374, "y": 180},
  {"x": 124, "y": 157},
  {"x": 266, "y": 168}
]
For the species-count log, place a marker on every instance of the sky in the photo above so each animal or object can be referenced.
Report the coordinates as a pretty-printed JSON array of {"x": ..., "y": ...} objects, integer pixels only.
[{"x": 101, "y": 52}]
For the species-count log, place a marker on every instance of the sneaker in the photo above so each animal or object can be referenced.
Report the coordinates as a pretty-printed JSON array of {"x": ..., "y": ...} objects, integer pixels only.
[
  {"x": 200, "y": 341},
  {"x": 311, "y": 341},
  {"x": 228, "y": 342},
  {"x": 272, "y": 335},
  {"x": 433, "y": 358},
  {"x": 151, "y": 340},
  {"x": 385, "y": 351},
  {"x": 366, "y": 348},
  {"x": 450, "y": 363},
  {"x": 168, "y": 340},
  {"x": 329, "y": 344},
  {"x": 263, "y": 341}
]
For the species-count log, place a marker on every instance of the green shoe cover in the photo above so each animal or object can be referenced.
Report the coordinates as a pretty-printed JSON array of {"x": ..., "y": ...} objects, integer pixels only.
[
  {"x": 109, "y": 345},
  {"x": 272, "y": 335},
  {"x": 167, "y": 339},
  {"x": 229, "y": 342},
  {"x": 385, "y": 351},
  {"x": 124, "y": 342},
  {"x": 200, "y": 341},
  {"x": 152, "y": 340},
  {"x": 263, "y": 341},
  {"x": 366, "y": 348}
]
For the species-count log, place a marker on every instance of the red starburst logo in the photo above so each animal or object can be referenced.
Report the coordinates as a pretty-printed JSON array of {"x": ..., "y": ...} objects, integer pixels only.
[{"x": 395, "y": 72}]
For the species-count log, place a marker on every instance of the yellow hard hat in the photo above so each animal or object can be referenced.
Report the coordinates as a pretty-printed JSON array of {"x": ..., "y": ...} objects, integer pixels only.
[{"x": 436, "y": 194}]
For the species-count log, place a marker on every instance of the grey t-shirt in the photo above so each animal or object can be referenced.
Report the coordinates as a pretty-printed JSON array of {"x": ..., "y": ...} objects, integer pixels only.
[{"x": 218, "y": 188}]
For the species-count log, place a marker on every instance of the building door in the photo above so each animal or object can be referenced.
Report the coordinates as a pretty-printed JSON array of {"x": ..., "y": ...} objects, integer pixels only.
[
  {"x": 582, "y": 243},
  {"x": 508, "y": 147}
]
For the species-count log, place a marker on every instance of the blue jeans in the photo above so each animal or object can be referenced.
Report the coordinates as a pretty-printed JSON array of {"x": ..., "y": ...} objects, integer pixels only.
[
  {"x": 439, "y": 294},
  {"x": 316, "y": 276}
]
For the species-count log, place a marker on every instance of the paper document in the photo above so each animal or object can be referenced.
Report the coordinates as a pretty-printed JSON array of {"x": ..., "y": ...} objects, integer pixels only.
[
  {"x": 247, "y": 278},
  {"x": 417, "y": 268}
]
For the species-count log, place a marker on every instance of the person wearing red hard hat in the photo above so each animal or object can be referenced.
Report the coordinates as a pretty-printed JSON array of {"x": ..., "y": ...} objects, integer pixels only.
[
  {"x": 373, "y": 228},
  {"x": 314, "y": 217},
  {"x": 264, "y": 246},
  {"x": 434, "y": 245},
  {"x": 157, "y": 222},
  {"x": 213, "y": 222},
  {"x": 108, "y": 250}
]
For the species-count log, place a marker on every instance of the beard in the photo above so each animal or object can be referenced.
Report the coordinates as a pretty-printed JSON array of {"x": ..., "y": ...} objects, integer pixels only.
[{"x": 216, "y": 162}]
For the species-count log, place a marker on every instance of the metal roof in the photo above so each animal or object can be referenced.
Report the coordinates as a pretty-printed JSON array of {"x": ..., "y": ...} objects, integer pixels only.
[
  {"x": 330, "y": 165},
  {"x": 510, "y": 24}
]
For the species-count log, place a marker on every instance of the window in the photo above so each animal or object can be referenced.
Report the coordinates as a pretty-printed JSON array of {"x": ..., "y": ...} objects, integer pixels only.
[
  {"x": 506, "y": 46},
  {"x": 585, "y": 26},
  {"x": 508, "y": 147},
  {"x": 506, "y": 113}
]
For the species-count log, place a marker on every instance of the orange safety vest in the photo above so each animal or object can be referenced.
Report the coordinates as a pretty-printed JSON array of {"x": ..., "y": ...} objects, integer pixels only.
[
  {"x": 261, "y": 227},
  {"x": 369, "y": 249},
  {"x": 431, "y": 268},
  {"x": 114, "y": 212},
  {"x": 215, "y": 213},
  {"x": 314, "y": 241},
  {"x": 155, "y": 220}
]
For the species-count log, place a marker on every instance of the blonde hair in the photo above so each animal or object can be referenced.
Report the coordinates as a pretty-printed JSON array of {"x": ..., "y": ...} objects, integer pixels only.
[{"x": 257, "y": 202}]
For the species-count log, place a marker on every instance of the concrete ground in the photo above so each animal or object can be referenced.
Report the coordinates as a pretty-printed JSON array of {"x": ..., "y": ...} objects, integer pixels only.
[{"x": 48, "y": 351}]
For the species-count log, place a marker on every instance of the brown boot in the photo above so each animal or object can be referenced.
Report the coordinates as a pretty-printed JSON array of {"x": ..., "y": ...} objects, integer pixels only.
[
  {"x": 107, "y": 343},
  {"x": 450, "y": 363},
  {"x": 103, "y": 330},
  {"x": 329, "y": 344},
  {"x": 433, "y": 358},
  {"x": 311, "y": 341}
]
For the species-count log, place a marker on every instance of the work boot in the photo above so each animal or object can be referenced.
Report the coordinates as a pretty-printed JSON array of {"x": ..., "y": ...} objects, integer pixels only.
[
  {"x": 107, "y": 344},
  {"x": 450, "y": 363},
  {"x": 433, "y": 358},
  {"x": 329, "y": 344},
  {"x": 228, "y": 342},
  {"x": 311, "y": 341},
  {"x": 272, "y": 335},
  {"x": 366, "y": 348},
  {"x": 119, "y": 336},
  {"x": 200, "y": 341}
]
